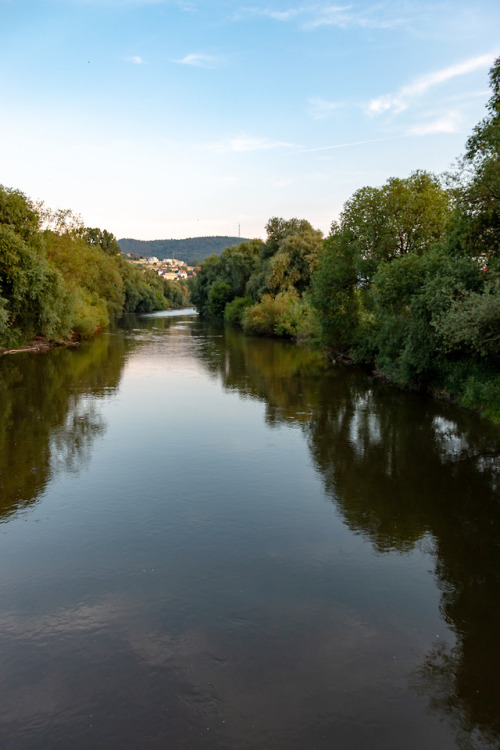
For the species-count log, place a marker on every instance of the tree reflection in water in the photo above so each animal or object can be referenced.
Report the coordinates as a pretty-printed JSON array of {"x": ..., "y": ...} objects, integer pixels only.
[
  {"x": 402, "y": 469},
  {"x": 48, "y": 405}
]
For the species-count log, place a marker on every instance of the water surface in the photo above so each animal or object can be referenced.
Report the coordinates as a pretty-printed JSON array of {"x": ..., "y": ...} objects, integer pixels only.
[{"x": 211, "y": 541}]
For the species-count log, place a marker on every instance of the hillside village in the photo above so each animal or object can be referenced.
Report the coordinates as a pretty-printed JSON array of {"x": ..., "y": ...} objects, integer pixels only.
[{"x": 169, "y": 269}]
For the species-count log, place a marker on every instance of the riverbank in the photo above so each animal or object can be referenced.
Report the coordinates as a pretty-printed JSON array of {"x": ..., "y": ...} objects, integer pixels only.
[{"x": 39, "y": 345}]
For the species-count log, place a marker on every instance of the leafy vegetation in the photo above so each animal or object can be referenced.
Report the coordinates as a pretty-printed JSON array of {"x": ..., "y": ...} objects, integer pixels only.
[
  {"x": 407, "y": 282},
  {"x": 59, "y": 279}
]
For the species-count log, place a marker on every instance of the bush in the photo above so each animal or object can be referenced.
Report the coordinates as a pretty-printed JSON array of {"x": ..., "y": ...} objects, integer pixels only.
[
  {"x": 299, "y": 320},
  {"x": 234, "y": 310},
  {"x": 286, "y": 315},
  {"x": 88, "y": 313},
  {"x": 260, "y": 318},
  {"x": 475, "y": 385}
]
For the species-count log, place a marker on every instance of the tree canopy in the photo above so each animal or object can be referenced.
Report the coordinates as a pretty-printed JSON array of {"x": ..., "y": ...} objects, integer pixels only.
[
  {"x": 406, "y": 283},
  {"x": 59, "y": 278}
]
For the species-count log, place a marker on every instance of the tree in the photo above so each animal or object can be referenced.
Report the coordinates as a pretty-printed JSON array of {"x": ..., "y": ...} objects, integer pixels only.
[
  {"x": 403, "y": 216},
  {"x": 18, "y": 213},
  {"x": 333, "y": 290},
  {"x": 103, "y": 239},
  {"x": 234, "y": 268},
  {"x": 289, "y": 255},
  {"x": 478, "y": 183},
  {"x": 220, "y": 294},
  {"x": 210, "y": 272},
  {"x": 377, "y": 226}
]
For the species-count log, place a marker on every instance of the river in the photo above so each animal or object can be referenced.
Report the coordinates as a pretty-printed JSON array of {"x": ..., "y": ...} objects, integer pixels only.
[{"x": 214, "y": 542}]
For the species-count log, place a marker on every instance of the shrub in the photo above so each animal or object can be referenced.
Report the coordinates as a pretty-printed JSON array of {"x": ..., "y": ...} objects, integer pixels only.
[
  {"x": 234, "y": 310},
  {"x": 287, "y": 315}
]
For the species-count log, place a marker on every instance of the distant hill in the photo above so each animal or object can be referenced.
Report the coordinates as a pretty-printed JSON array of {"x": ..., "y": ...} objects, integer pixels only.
[{"x": 193, "y": 248}]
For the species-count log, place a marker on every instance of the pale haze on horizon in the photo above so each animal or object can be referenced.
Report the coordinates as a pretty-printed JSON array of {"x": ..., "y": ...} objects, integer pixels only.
[{"x": 179, "y": 118}]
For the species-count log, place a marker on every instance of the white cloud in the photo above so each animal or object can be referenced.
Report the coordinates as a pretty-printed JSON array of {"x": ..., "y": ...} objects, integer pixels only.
[
  {"x": 199, "y": 60},
  {"x": 314, "y": 16},
  {"x": 448, "y": 123},
  {"x": 346, "y": 17},
  {"x": 136, "y": 60},
  {"x": 276, "y": 15},
  {"x": 402, "y": 99},
  {"x": 320, "y": 109},
  {"x": 245, "y": 143}
]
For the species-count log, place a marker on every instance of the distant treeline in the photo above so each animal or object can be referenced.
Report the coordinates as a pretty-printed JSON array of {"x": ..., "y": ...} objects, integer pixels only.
[
  {"x": 60, "y": 279},
  {"x": 189, "y": 250},
  {"x": 407, "y": 282}
]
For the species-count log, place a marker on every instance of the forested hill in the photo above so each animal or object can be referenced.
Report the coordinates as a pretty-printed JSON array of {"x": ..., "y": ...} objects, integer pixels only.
[{"x": 193, "y": 248}]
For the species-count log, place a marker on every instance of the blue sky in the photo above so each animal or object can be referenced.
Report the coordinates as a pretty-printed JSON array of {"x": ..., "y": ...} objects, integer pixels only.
[{"x": 179, "y": 118}]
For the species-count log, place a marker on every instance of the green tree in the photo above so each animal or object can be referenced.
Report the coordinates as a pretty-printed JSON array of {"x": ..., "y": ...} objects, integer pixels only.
[
  {"x": 479, "y": 186},
  {"x": 289, "y": 255},
  {"x": 18, "y": 213},
  {"x": 103, "y": 239},
  {"x": 210, "y": 272},
  {"x": 377, "y": 226},
  {"x": 33, "y": 296},
  {"x": 220, "y": 294},
  {"x": 234, "y": 267},
  {"x": 403, "y": 216},
  {"x": 334, "y": 291}
]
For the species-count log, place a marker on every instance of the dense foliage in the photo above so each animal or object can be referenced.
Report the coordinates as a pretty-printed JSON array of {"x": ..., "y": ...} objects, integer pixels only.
[
  {"x": 407, "y": 282},
  {"x": 60, "y": 279},
  {"x": 262, "y": 286},
  {"x": 189, "y": 250}
]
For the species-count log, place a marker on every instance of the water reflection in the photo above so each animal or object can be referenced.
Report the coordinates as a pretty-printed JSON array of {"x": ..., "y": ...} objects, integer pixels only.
[
  {"x": 402, "y": 470},
  {"x": 220, "y": 626},
  {"x": 49, "y": 417},
  {"x": 284, "y": 377},
  {"x": 49, "y": 407}
]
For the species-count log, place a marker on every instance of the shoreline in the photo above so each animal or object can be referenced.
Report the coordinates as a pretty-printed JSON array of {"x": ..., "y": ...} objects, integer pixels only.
[{"x": 39, "y": 345}]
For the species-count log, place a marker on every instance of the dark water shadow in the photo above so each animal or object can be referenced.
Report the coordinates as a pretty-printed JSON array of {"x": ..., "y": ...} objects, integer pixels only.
[{"x": 403, "y": 470}]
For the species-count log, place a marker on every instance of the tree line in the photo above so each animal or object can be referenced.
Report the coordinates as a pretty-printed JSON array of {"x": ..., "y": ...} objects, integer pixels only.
[
  {"x": 407, "y": 281},
  {"x": 60, "y": 279}
]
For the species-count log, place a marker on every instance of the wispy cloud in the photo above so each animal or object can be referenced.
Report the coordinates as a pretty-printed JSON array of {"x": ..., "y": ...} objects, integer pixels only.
[
  {"x": 341, "y": 16},
  {"x": 276, "y": 15},
  {"x": 199, "y": 60},
  {"x": 402, "y": 99},
  {"x": 136, "y": 60},
  {"x": 245, "y": 143},
  {"x": 448, "y": 123},
  {"x": 117, "y": 3},
  {"x": 349, "y": 144},
  {"x": 347, "y": 17},
  {"x": 320, "y": 108}
]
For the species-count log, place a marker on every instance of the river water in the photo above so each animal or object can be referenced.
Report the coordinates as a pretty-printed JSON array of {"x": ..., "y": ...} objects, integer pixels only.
[{"x": 210, "y": 541}]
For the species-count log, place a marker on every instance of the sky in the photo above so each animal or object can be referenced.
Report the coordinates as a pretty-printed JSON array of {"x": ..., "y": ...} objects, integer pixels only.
[{"x": 159, "y": 119}]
